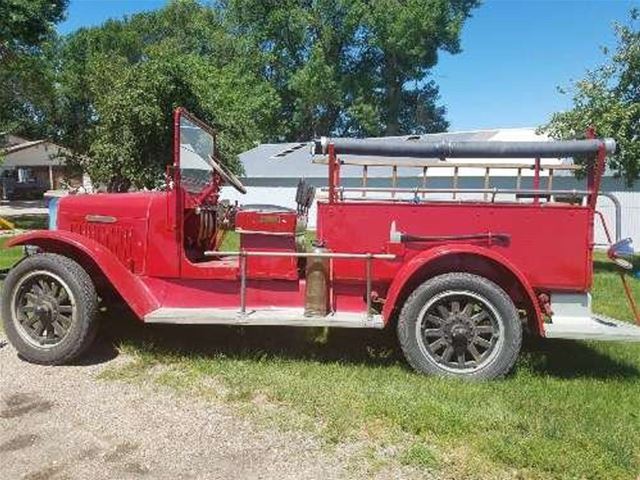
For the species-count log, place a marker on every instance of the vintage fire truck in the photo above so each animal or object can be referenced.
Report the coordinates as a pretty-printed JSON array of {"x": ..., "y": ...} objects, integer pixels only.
[{"x": 460, "y": 279}]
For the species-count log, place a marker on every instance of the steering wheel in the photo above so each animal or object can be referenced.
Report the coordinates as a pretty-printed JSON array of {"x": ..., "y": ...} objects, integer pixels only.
[{"x": 227, "y": 176}]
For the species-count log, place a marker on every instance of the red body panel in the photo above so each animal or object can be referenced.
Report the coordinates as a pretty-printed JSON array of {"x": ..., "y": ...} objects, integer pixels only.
[
  {"x": 120, "y": 226},
  {"x": 268, "y": 231},
  {"x": 283, "y": 223},
  {"x": 550, "y": 243},
  {"x": 270, "y": 267}
]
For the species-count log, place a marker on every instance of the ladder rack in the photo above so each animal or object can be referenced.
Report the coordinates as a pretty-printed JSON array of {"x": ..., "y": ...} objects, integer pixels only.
[{"x": 425, "y": 165}]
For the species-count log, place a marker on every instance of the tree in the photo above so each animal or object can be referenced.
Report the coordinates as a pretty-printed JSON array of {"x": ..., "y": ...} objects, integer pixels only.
[
  {"x": 608, "y": 98},
  {"x": 257, "y": 70},
  {"x": 26, "y": 43},
  {"x": 27, "y": 24},
  {"x": 121, "y": 129},
  {"x": 353, "y": 67}
]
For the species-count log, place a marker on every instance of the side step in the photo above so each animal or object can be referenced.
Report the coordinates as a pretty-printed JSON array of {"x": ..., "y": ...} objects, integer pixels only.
[
  {"x": 596, "y": 327},
  {"x": 292, "y": 317},
  {"x": 572, "y": 319}
]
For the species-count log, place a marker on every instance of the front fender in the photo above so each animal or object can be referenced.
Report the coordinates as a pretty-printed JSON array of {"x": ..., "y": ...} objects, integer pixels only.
[
  {"x": 412, "y": 267},
  {"x": 83, "y": 249}
]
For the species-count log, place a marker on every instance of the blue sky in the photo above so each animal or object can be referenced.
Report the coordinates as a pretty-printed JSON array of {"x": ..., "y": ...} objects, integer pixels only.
[{"x": 515, "y": 54}]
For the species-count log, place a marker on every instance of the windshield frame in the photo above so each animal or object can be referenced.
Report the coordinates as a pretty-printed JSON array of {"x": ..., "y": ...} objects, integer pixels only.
[{"x": 181, "y": 113}]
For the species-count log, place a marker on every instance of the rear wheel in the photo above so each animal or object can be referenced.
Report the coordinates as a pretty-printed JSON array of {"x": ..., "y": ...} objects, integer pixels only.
[
  {"x": 49, "y": 309},
  {"x": 460, "y": 325}
]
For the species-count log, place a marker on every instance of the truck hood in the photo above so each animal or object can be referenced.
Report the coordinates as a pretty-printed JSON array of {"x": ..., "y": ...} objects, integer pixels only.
[{"x": 116, "y": 205}]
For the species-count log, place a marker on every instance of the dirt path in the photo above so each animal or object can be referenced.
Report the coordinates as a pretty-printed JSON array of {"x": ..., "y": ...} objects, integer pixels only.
[{"x": 63, "y": 422}]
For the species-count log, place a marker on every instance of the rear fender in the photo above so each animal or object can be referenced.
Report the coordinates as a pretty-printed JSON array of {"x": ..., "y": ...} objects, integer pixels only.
[
  {"x": 414, "y": 271},
  {"x": 92, "y": 255}
]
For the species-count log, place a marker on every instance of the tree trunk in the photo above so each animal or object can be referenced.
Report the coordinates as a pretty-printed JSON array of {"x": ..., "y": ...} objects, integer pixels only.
[
  {"x": 118, "y": 184},
  {"x": 393, "y": 86}
]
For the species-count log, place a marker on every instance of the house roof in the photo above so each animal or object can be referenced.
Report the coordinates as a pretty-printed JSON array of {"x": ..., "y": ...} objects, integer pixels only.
[
  {"x": 34, "y": 153},
  {"x": 294, "y": 160}
]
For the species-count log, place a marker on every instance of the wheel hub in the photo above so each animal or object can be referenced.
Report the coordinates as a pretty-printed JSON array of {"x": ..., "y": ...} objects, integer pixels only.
[
  {"x": 460, "y": 334},
  {"x": 46, "y": 310}
]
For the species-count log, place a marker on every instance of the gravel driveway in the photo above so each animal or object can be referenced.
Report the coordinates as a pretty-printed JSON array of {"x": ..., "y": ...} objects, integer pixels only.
[{"x": 63, "y": 422}]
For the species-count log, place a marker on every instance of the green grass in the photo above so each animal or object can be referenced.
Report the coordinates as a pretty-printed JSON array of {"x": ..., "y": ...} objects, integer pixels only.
[
  {"x": 570, "y": 410},
  {"x": 231, "y": 241},
  {"x": 29, "y": 222},
  {"x": 9, "y": 256}
]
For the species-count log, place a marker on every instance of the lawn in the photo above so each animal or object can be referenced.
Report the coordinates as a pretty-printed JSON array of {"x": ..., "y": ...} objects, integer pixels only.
[
  {"x": 570, "y": 410},
  {"x": 9, "y": 256}
]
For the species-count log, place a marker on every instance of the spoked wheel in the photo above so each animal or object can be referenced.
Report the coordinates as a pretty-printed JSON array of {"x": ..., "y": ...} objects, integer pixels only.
[
  {"x": 460, "y": 325},
  {"x": 460, "y": 330},
  {"x": 44, "y": 308},
  {"x": 49, "y": 308}
]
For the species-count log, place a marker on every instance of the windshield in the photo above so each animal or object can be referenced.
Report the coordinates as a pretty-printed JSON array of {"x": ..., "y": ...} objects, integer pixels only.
[{"x": 196, "y": 145}]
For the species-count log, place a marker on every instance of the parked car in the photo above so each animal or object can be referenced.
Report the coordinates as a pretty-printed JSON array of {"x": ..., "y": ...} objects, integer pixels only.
[{"x": 17, "y": 185}]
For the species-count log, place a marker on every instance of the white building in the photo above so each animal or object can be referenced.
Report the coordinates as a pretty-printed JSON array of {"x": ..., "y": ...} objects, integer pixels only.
[{"x": 272, "y": 172}]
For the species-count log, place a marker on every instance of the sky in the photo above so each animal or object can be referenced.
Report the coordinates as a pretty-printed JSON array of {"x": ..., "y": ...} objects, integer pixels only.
[{"x": 515, "y": 53}]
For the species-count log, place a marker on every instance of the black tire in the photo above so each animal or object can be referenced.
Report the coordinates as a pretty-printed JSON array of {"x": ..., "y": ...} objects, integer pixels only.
[
  {"x": 80, "y": 325},
  {"x": 485, "y": 336}
]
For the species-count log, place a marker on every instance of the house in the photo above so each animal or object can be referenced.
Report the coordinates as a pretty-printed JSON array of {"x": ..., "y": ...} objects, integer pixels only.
[
  {"x": 272, "y": 172},
  {"x": 35, "y": 166}
]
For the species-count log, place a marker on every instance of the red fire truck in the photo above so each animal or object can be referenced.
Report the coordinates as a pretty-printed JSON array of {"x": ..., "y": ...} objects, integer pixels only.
[{"x": 460, "y": 279}]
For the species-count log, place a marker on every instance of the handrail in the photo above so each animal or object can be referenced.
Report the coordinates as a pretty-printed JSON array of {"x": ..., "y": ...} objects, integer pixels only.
[
  {"x": 243, "y": 254},
  {"x": 618, "y": 213},
  {"x": 427, "y": 152},
  {"x": 492, "y": 191},
  {"x": 354, "y": 256}
]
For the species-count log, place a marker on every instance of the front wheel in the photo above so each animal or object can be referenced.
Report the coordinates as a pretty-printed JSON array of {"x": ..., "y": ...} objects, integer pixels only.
[
  {"x": 49, "y": 309},
  {"x": 460, "y": 325}
]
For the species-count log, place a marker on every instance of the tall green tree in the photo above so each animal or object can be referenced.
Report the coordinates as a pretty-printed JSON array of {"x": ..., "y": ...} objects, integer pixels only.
[
  {"x": 608, "y": 98},
  {"x": 118, "y": 85},
  {"x": 27, "y": 41},
  {"x": 353, "y": 67}
]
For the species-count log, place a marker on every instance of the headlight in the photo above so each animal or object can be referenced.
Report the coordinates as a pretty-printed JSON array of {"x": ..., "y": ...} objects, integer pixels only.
[{"x": 53, "y": 213}]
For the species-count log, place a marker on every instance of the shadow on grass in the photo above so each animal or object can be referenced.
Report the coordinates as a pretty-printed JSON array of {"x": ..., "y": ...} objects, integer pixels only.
[
  {"x": 573, "y": 359},
  {"x": 375, "y": 348},
  {"x": 353, "y": 346}
]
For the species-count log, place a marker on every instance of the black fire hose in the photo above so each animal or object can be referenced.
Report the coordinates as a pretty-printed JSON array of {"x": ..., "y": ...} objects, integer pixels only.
[{"x": 448, "y": 149}]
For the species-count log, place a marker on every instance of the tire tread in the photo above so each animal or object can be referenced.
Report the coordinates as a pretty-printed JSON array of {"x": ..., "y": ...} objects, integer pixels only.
[
  {"x": 406, "y": 323},
  {"x": 86, "y": 296}
]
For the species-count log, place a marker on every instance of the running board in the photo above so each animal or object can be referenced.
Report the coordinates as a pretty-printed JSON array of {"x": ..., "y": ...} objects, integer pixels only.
[
  {"x": 572, "y": 319},
  {"x": 596, "y": 327},
  {"x": 290, "y": 317}
]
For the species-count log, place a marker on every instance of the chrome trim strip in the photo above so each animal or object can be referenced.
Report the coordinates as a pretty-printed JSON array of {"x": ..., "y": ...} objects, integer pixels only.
[{"x": 100, "y": 219}]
